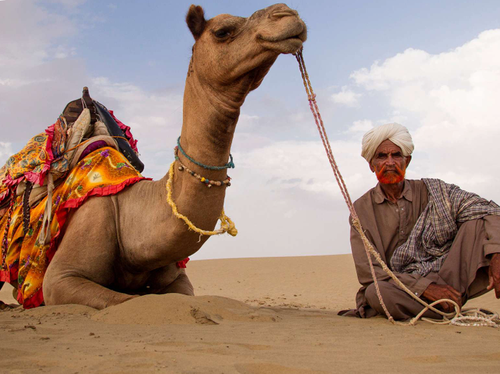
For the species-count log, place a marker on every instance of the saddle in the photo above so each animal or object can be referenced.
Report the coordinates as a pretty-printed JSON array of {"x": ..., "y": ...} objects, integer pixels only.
[
  {"x": 99, "y": 114},
  {"x": 85, "y": 125}
]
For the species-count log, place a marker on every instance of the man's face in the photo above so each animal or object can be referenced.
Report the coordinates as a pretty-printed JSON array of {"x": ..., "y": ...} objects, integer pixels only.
[{"x": 389, "y": 164}]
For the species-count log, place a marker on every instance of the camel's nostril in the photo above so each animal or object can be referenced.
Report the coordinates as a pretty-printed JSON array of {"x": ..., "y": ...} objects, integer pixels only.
[{"x": 284, "y": 13}]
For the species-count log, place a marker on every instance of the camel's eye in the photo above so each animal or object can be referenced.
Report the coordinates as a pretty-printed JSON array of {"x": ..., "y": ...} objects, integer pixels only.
[{"x": 222, "y": 33}]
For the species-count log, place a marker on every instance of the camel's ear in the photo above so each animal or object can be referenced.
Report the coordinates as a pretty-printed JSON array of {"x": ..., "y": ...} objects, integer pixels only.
[{"x": 195, "y": 20}]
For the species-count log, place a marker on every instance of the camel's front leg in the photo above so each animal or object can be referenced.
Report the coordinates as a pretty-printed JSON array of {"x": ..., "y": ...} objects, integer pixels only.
[
  {"x": 78, "y": 290},
  {"x": 86, "y": 260}
]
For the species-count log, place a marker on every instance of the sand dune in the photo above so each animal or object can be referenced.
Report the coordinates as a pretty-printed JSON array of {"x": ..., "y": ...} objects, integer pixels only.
[{"x": 263, "y": 315}]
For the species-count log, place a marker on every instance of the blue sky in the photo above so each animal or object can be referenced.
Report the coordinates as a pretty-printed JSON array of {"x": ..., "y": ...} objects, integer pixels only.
[{"x": 433, "y": 66}]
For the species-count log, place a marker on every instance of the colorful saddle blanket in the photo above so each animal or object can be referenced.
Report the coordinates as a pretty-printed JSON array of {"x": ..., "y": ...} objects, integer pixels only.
[
  {"x": 32, "y": 164},
  {"x": 24, "y": 259}
]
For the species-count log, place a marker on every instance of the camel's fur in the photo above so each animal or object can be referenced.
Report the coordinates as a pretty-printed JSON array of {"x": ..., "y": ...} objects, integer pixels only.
[{"x": 115, "y": 248}]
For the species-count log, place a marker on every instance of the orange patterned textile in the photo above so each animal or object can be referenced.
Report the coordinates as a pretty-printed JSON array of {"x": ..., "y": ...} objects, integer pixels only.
[
  {"x": 25, "y": 260},
  {"x": 32, "y": 163}
]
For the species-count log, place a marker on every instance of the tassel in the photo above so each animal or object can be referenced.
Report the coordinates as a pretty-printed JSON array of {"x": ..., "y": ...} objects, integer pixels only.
[
  {"x": 44, "y": 237},
  {"x": 26, "y": 207}
]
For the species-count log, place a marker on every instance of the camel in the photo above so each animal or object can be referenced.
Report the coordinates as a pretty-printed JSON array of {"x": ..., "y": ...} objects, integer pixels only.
[{"x": 132, "y": 243}]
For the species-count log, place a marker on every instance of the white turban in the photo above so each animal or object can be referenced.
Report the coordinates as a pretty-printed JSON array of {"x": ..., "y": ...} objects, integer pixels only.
[{"x": 394, "y": 132}]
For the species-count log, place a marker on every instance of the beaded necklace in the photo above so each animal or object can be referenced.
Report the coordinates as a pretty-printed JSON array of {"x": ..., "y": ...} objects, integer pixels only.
[
  {"x": 226, "y": 224},
  {"x": 207, "y": 182},
  {"x": 229, "y": 165}
]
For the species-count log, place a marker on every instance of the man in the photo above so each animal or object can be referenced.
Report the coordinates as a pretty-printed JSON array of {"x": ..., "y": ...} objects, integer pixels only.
[{"x": 441, "y": 242}]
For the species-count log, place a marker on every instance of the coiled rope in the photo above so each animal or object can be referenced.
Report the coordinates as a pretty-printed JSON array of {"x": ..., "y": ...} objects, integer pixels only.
[{"x": 466, "y": 317}]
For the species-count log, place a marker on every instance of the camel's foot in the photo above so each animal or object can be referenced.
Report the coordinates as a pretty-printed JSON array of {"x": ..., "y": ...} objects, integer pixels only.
[{"x": 4, "y": 306}]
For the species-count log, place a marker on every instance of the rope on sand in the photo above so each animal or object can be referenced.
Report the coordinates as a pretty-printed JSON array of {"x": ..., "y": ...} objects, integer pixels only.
[{"x": 466, "y": 317}]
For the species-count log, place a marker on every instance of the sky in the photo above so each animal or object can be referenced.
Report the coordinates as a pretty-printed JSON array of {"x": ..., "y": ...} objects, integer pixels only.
[{"x": 433, "y": 66}]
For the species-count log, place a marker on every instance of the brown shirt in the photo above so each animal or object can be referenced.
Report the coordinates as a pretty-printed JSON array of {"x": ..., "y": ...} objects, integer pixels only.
[{"x": 387, "y": 225}]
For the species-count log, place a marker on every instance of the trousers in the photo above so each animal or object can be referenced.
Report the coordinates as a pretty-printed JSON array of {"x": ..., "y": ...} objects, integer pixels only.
[{"x": 465, "y": 269}]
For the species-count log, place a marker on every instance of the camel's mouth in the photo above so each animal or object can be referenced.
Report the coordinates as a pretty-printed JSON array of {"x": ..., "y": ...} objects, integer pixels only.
[
  {"x": 289, "y": 37},
  {"x": 283, "y": 43}
]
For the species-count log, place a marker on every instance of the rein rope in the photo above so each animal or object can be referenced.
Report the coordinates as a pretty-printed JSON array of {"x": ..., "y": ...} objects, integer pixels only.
[{"x": 465, "y": 317}]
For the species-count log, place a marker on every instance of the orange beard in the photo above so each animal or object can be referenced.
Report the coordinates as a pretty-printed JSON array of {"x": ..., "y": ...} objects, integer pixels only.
[{"x": 390, "y": 177}]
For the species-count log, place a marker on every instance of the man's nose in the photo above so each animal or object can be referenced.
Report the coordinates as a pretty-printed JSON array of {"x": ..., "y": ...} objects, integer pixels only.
[{"x": 390, "y": 160}]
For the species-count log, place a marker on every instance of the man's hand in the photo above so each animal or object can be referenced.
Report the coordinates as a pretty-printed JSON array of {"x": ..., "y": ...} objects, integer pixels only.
[
  {"x": 436, "y": 292},
  {"x": 494, "y": 272}
]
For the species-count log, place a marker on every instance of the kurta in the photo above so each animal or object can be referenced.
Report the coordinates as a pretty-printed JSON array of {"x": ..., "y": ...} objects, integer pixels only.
[{"x": 388, "y": 225}]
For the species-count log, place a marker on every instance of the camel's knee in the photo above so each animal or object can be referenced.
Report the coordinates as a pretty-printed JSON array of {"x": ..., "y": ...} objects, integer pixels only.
[
  {"x": 181, "y": 285},
  {"x": 50, "y": 293},
  {"x": 54, "y": 287}
]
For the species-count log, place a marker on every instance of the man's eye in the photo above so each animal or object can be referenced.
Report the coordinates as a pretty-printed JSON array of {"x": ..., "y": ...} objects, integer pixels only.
[{"x": 222, "y": 33}]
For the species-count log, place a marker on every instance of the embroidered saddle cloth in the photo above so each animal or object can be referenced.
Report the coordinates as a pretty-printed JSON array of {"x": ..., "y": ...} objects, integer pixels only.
[{"x": 24, "y": 257}]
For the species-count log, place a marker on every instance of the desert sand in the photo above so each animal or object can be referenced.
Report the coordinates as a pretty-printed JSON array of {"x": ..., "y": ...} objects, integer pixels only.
[{"x": 262, "y": 315}]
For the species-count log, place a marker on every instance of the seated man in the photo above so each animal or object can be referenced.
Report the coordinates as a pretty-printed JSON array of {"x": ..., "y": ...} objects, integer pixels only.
[{"x": 440, "y": 241}]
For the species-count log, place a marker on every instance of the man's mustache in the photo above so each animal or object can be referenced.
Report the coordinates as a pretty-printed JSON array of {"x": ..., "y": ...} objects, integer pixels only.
[{"x": 390, "y": 176}]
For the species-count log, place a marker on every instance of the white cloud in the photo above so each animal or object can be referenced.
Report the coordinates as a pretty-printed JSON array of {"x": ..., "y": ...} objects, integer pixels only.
[
  {"x": 35, "y": 68},
  {"x": 246, "y": 122},
  {"x": 32, "y": 44},
  {"x": 346, "y": 97},
  {"x": 68, "y": 3},
  {"x": 5, "y": 150},
  {"x": 303, "y": 165},
  {"x": 361, "y": 126}
]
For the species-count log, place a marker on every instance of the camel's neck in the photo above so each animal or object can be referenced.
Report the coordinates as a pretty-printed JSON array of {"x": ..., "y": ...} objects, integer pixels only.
[{"x": 209, "y": 121}]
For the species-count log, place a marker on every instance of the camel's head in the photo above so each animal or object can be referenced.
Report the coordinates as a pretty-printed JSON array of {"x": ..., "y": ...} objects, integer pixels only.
[{"x": 238, "y": 51}]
